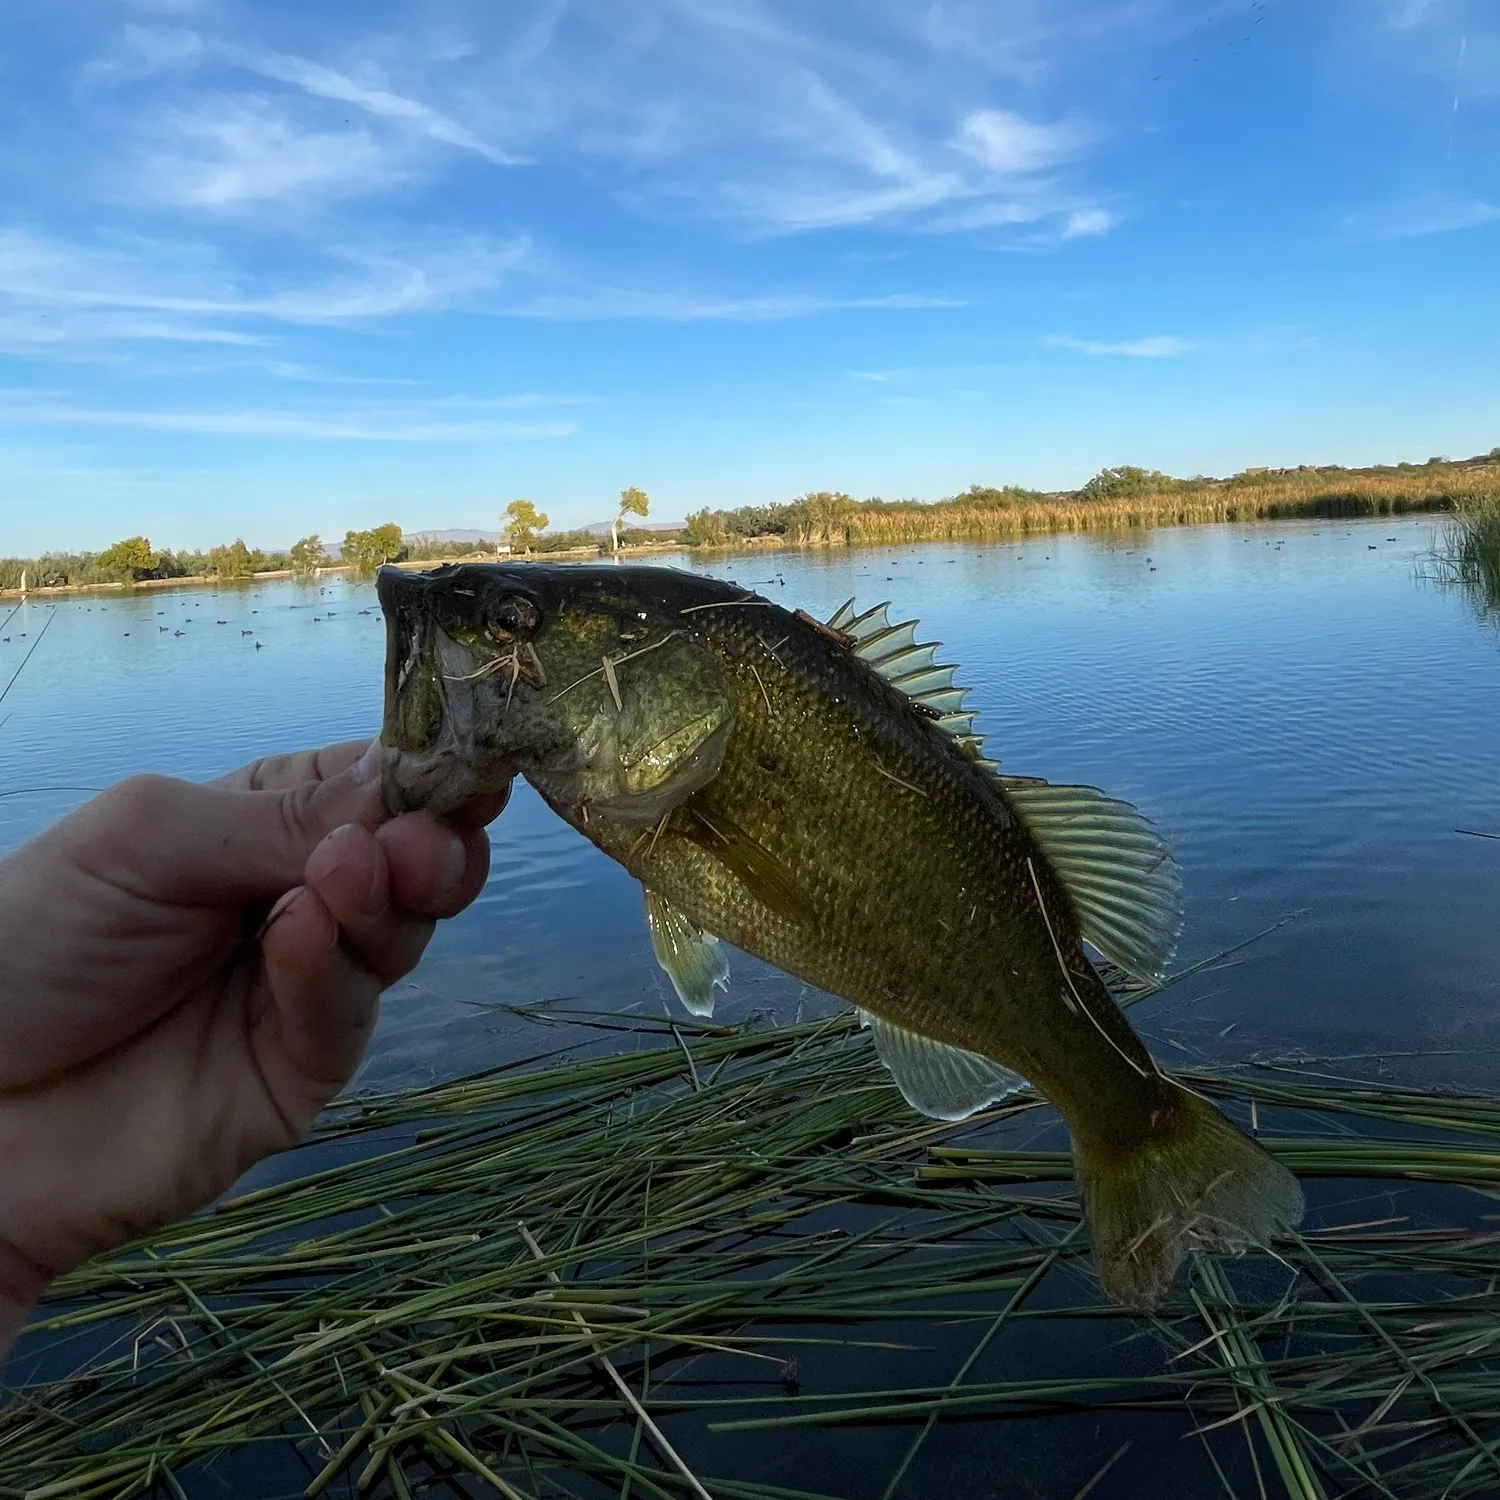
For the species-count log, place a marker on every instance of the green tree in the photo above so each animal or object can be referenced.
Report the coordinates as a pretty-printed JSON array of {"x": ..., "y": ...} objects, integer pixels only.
[
  {"x": 522, "y": 522},
  {"x": 234, "y": 561},
  {"x": 1126, "y": 481},
  {"x": 369, "y": 549},
  {"x": 128, "y": 560},
  {"x": 633, "y": 502},
  {"x": 706, "y": 528},
  {"x": 308, "y": 554},
  {"x": 1010, "y": 494},
  {"x": 824, "y": 516}
]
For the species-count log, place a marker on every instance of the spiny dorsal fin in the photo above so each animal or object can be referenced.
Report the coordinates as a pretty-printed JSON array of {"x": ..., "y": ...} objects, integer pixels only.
[
  {"x": 942, "y": 1082},
  {"x": 1116, "y": 868},
  {"x": 692, "y": 958},
  {"x": 896, "y": 654}
]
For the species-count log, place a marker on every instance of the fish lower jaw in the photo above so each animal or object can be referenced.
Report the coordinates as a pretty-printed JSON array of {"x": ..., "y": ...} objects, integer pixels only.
[{"x": 439, "y": 781}]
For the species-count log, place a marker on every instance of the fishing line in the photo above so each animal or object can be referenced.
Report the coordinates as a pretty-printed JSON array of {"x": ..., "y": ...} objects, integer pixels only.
[
  {"x": 37, "y": 642},
  {"x": 32, "y": 791},
  {"x": 1067, "y": 974}
]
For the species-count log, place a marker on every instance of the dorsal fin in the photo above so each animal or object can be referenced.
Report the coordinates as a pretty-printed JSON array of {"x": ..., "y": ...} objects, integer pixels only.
[
  {"x": 896, "y": 654},
  {"x": 1116, "y": 868}
]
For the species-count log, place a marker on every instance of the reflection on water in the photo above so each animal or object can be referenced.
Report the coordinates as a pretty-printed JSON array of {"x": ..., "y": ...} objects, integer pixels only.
[
  {"x": 1307, "y": 726},
  {"x": 1467, "y": 558}
]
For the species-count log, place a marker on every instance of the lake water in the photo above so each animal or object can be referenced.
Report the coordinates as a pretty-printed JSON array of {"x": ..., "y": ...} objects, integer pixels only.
[{"x": 1307, "y": 722}]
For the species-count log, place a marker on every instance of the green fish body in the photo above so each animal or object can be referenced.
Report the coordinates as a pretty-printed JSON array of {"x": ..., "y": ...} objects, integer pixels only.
[{"x": 812, "y": 793}]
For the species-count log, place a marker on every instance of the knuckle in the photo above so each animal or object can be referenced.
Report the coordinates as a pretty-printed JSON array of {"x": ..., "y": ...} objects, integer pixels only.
[
  {"x": 292, "y": 809},
  {"x": 253, "y": 776},
  {"x": 140, "y": 803}
]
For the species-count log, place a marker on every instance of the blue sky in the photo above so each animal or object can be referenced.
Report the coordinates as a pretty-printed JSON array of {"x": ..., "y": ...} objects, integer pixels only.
[{"x": 268, "y": 268}]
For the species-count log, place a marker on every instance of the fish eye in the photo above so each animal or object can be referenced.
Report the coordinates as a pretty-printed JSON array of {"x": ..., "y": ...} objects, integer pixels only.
[{"x": 515, "y": 615}]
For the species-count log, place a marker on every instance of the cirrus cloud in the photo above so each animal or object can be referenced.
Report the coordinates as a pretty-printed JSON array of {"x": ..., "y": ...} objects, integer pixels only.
[{"x": 1155, "y": 346}]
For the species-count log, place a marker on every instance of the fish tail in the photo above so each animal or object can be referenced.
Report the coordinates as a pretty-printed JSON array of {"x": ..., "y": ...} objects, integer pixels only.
[{"x": 1195, "y": 1182}]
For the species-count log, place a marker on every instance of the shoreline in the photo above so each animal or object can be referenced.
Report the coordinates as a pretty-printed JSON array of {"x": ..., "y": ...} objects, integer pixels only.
[
  {"x": 203, "y": 580},
  {"x": 1064, "y": 521}
]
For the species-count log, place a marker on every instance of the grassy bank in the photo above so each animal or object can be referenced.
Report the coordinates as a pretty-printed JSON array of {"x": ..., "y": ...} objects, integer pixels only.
[
  {"x": 703, "y": 1267},
  {"x": 1114, "y": 501}
]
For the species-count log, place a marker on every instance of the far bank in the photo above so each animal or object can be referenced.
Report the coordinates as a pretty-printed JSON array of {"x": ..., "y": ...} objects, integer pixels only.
[{"x": 1121, "y": 501}]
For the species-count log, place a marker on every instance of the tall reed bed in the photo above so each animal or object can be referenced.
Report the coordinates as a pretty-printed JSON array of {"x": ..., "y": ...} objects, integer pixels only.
[
  {"x": 736, "y": 1265},
  {"x": 1284, "y": 497},
  {"x": 1467, "y": 556}
]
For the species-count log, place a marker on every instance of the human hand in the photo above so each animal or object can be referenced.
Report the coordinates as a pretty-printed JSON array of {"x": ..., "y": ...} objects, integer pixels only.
[{"x": 188, "y": 974}]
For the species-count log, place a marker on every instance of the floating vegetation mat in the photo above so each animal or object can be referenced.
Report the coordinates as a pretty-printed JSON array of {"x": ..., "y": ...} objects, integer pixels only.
[{"x": 735, "y": 1264}]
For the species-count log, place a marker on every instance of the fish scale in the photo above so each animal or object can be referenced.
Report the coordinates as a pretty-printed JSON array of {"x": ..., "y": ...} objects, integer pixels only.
[
  {"x": 815, "y": 795},
  {"x": 920, "y": 906}
]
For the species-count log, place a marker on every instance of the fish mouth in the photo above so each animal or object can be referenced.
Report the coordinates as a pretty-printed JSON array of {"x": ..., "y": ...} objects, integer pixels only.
[{"x": 437, "y": 699}]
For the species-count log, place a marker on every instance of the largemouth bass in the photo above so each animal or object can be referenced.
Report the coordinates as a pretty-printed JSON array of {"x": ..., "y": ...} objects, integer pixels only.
[{"x": 812, "y": 792}]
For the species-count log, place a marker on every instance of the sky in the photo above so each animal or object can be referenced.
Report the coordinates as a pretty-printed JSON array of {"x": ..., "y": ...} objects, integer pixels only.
[{"x": 271, "y": 268}]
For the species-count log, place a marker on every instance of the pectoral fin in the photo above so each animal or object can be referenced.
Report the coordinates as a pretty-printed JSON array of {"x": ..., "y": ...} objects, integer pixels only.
[
  {"x": 944, "y": 1082},
  {"x": 692, "y": 958}
]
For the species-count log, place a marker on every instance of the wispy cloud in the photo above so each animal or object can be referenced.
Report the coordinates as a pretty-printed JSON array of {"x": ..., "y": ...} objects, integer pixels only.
[
  {"x": 1004, "y": 142},
  {"x": 143, "y": 51},
  {"x": 288, "y": 369},
  {"x": 768, "y": 115},
  {"x": 323, "y": 82},
  {"x": 71, "y": 334},
  {"x": 1083, "y": 221},
  {"x": 329, "y": 133},
  {"x": 1405, "y": 15},
  {"x": 227, "y": 153},
  {"x": 1414, "y": 217},
  {"x": 62, "y": 298},
  {"x": 605, "y": 303},
  {"x": 987, "y": 173},
  {"x": 66, "y": 292},
  {"x": 364, "y": 425},
  {"x": 1157, "y": 346}
]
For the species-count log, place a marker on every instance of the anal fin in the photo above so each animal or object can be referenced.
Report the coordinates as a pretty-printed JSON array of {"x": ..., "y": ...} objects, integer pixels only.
[
  {"x": 943, "y": 1082},
  {"x": 693, "y": 959}
]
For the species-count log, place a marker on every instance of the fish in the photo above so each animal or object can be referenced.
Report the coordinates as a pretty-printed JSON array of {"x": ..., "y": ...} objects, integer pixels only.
[{"x": 813, "y": 792}]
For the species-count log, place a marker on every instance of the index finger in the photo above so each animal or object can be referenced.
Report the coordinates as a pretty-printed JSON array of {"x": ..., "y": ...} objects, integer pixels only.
[{"x": 279, "y": 773}]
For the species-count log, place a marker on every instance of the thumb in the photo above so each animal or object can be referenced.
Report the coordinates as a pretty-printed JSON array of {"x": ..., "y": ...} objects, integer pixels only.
[{"x": 194, "y": 845}]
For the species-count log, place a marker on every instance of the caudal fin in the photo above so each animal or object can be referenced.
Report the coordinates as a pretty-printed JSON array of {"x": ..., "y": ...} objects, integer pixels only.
[{"x": 1197, "y": 1183}]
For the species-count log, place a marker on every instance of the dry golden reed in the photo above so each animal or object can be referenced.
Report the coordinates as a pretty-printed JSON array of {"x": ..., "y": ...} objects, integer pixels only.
[{"x": 1283, "y": 496}]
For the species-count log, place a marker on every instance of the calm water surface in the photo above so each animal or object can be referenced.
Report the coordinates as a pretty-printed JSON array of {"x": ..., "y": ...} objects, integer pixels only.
[{"x": 1308, "y": 723}]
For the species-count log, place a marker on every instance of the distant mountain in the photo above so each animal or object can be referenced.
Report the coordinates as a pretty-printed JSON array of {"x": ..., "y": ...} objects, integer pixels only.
[
  {"x": 454, "y": 534},
  {"x": 601, "y": 528}
]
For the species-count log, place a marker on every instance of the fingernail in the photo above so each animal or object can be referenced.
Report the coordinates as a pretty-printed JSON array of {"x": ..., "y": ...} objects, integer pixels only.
[
  {"x": 451, "y": 873},
  {"x": 371, "y": 765},
  {"x": 376, "y": 896},
  {"x": 278, "y": 911}
]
